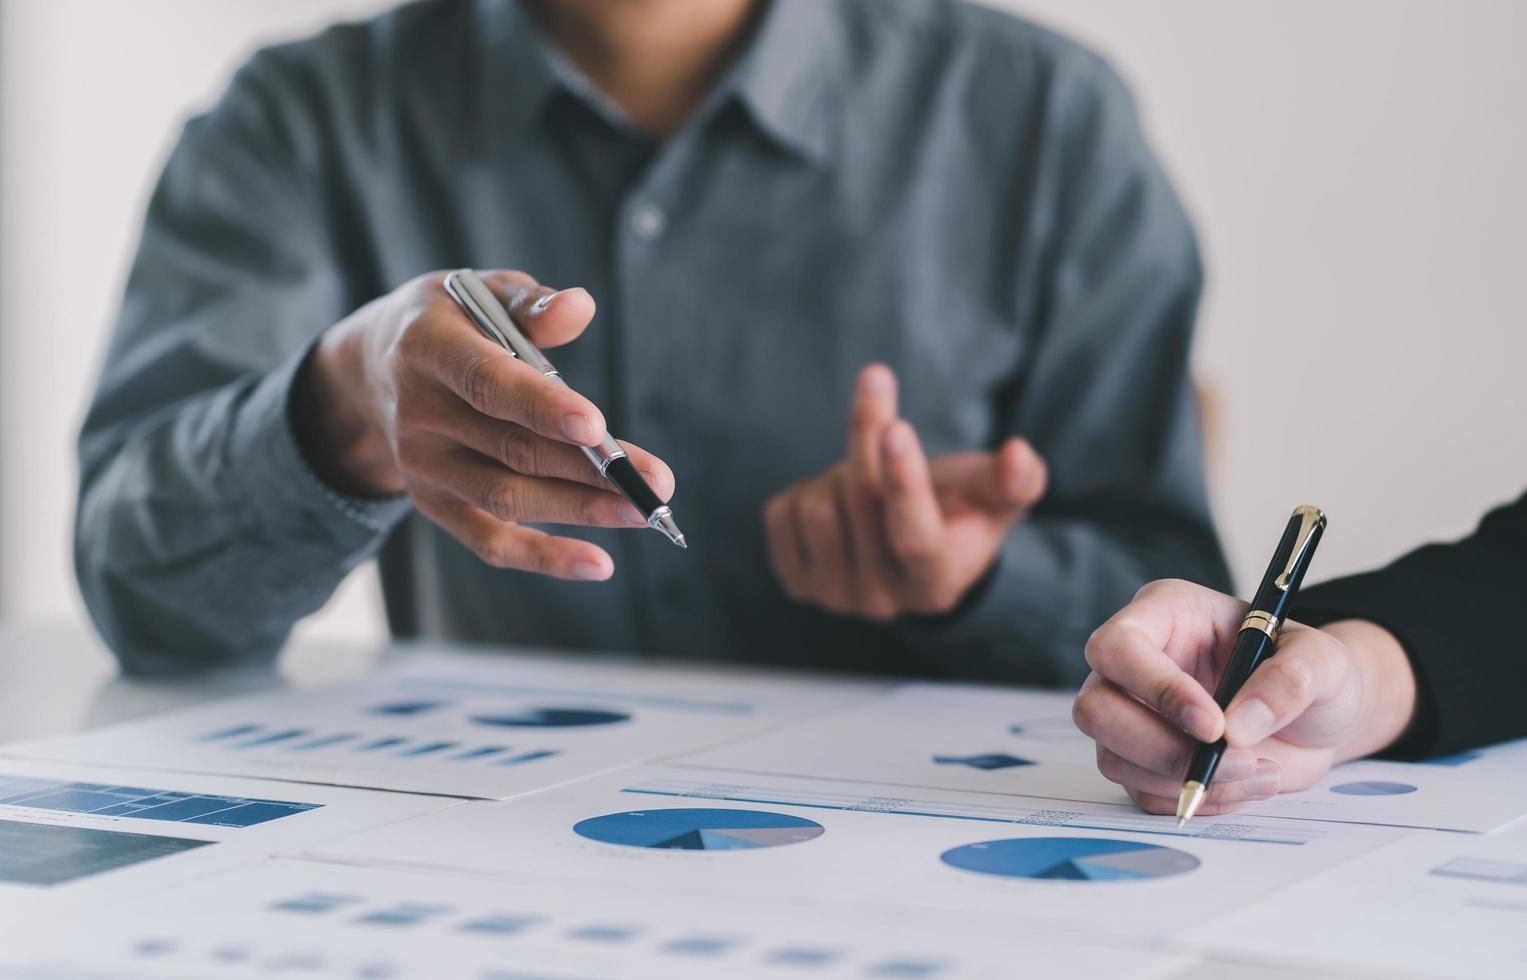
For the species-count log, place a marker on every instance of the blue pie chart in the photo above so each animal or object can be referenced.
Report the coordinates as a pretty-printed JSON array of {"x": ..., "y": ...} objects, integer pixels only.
[
  {"x": 1070, "y": 859},
  {"x": 552, "y": 718},
  {"x": 407, "y": 709},
  {"x": 1372, "y": 787},
  {"x": 687, "y": 829}
]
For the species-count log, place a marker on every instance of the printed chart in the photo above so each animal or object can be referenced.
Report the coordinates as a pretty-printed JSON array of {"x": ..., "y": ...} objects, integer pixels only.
[
  {"x": 1476, "y": 792},
  {"x": 938, "y": 736},
  {"x": 73, "y": 836},
  {"x": 277, "y": 738},
  {"x": 699, "y": 830},
  {"x": 566, "y": 820},
  {"x": 655, "y": 830},
  {"x": 459, "y": 725},
  {"x": 1373, "y": 787},
  {"x": 1071, "y": 859},
  {"x": 112, "y": 800},
  {"x": 1022, "y": 743},
  {"x": 300, "y": 918},
  {"x": 45, "y": 854}
]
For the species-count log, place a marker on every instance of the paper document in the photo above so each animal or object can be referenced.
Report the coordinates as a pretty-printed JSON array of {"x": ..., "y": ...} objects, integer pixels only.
[
  {"x": 944, "y": 736},
  {"x": 1477, "y": 791},
  {"x": 1431, "y": 905},
  {"x": 1022, "y": 865},
  {"x": 301, "y": 918},
  {"x": 72, "y": 835},
  {"x": 1023, "y": 742},
  {"x": 461, "y": 725}
]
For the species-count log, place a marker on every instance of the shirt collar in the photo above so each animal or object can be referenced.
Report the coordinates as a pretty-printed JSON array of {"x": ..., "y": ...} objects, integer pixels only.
[
  {"x": 520, "y": 75},
  {"x": 783, "y": 78}
]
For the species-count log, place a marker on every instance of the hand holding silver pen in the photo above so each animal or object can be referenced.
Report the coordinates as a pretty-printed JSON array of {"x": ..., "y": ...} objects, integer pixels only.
[
  {"x": 409, "y": 395},
  {"x": 608, "y": 458}
]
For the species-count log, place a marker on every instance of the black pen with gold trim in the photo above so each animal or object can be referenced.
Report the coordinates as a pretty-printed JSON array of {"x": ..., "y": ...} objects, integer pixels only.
[{"x": 1256, "y": 641}]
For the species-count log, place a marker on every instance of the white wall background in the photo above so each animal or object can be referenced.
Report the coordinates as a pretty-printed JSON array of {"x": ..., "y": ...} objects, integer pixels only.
[{"x": 1356, "y": 169}]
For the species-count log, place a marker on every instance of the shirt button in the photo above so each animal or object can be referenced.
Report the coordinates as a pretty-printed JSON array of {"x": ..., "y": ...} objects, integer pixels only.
[{"x": 648, "y": 222}]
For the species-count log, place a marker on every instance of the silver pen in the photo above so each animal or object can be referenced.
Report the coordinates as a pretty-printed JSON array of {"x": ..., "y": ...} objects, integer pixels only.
[{"x": 479, "y": 303}]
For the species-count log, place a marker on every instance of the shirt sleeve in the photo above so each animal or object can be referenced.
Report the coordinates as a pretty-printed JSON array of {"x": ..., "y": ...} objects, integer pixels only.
[
  {"x": 202, "y": 536},
  {"x": 1454, "y": 608},
  {"x": 1106, "y": 398}
]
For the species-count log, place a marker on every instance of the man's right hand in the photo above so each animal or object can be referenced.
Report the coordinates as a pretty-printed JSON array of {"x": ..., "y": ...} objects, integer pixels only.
[{"x": 407, "y": 395}]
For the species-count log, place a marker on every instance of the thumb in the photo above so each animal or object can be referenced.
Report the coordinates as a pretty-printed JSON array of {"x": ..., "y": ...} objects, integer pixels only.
[
  {"x": 1308, "y": 670},
  {"x": 551, "y": 317},
  {"x": 1016, "y": 478}
]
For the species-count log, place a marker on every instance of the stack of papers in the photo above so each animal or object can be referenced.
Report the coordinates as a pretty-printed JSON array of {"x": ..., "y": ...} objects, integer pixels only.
[
  {"x": 512, "y": 817},
  {"x": 459, "y": 725}
]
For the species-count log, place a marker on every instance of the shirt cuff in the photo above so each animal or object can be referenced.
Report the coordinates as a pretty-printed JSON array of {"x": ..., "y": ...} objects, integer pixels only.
[
  {"x": 1011, "y": 623},
  {"x": 288, "y": 498},
  {"x": 1403, "y": 609}
]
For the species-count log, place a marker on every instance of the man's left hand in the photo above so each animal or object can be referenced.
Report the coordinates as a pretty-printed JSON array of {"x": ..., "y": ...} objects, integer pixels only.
[{"x": 888, "y": 531}]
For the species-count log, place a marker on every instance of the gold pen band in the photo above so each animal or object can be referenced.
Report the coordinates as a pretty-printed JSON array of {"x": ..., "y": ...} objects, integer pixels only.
[{"x": 1262, "y": 622}]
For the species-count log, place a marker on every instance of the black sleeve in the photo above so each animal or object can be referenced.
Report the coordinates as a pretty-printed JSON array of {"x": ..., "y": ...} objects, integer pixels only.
[{"x": 1457, "y": 610}]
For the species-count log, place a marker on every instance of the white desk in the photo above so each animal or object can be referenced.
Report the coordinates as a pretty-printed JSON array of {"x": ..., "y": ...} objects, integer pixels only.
[{"x": 58, "y": 677}]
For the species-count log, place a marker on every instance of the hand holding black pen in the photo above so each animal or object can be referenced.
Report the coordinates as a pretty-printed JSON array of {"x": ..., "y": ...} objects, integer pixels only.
[
  {"x": 1256, "y": 640},
  {"x": 1343, "y": 691}
]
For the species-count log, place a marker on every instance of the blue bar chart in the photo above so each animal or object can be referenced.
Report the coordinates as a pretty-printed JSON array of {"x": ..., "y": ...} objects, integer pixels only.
[
  {"x": 256, "y": 736},
  {"x": 144, "y": 803}
]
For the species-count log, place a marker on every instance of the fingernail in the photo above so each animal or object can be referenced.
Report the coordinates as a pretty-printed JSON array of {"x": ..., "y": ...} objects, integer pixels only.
[
  {"x": 1264, "y": 780},
  {"x": 578, "y": 429},
  {"x": 1236, "y": 766},
  {"x": 1249, "y": 722},
  {"x": 541, "y": 304},
  {"x": 877, "y": 380},
  {"x": 589, "y": 571},
  {"x": 897, "y": 440},
  {"x": 1196, "y": 721},
  {"x": 630, "y": 514}
]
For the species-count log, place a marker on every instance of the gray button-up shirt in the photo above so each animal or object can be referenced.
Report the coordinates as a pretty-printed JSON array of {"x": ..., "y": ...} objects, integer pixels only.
[{"x": 951, "y": 190}]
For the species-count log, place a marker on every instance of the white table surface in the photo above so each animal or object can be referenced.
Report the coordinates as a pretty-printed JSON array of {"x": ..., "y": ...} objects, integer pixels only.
[{"x": 58, "y": 677}]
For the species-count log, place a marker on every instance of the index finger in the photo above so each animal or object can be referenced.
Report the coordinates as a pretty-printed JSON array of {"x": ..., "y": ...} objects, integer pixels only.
[
  {"x": 1125, "y": 651},
  {"x": 497, "y": 384}
]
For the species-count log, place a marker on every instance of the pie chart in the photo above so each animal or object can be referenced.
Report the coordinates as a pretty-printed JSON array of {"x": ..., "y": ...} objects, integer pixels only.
[
  {"x": 1371, "y": 787},
  {"x": 1070, "y": 859},
  {"x": 698, "y": 829},
  {"x": 551, "y": 718},
  {"x": 407, "y": 709}
]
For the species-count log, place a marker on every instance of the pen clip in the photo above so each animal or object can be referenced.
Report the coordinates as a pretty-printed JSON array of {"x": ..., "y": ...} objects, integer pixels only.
[
  {"x": 473, "y": 295},
  {"x": 1310, "y": 519},
  {"x": 474, "y": 298}
]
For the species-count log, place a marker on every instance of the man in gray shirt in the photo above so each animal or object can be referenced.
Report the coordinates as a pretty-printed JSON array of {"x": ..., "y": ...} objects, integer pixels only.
[{"x": 892, "y": 293}]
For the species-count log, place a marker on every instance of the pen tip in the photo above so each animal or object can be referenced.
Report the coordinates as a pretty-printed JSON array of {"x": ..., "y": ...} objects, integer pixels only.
[
  {"x": 1188, "y": 801},
  {"x": 662, "y": 520}
]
